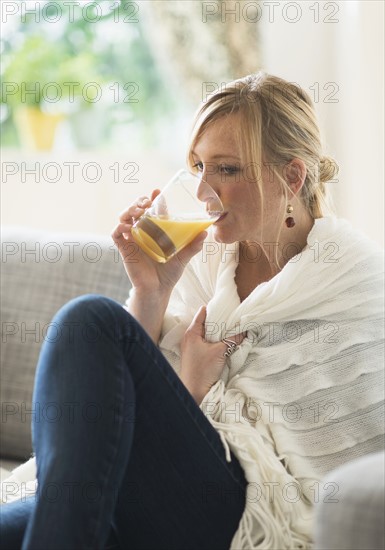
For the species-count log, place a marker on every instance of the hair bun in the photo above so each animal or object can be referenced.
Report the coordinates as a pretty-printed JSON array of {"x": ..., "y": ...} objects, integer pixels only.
[{"x": 328, "y": 168}]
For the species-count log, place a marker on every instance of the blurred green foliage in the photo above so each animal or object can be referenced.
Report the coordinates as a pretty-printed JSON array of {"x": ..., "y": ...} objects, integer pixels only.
[
  {"x": 101, "y": 47},
  {"x": 39, "y": 61}
]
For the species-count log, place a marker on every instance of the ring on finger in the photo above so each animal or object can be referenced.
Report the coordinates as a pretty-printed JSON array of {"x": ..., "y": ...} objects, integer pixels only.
[{"x": 231, "y": 346}]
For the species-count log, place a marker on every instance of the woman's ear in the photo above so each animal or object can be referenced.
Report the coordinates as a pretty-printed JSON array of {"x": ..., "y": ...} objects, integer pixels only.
[{"x": 294, "y": 173}]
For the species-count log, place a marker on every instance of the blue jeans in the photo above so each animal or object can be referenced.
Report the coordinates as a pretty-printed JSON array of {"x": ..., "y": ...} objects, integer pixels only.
[{"x": 125, "y": 457}]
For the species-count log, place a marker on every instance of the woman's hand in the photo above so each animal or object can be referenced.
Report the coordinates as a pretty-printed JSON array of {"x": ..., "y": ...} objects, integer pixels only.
[
  {"x": 202, "y": 362},
  {"x": 145, "y": 274}
]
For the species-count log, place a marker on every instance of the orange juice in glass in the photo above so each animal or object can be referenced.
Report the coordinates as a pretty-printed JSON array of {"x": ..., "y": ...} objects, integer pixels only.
[{"x": 184, "y": 208}]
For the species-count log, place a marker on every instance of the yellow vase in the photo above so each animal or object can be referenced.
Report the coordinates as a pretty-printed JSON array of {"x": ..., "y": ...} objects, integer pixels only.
[{"x": 35, "y": 128}]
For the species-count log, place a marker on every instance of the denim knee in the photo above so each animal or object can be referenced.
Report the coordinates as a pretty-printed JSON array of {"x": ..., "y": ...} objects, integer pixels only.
[
  {"x": 82, "y": 307},
  {"x": 85, "y": 315},
  {"x": 89, "y": 316}
]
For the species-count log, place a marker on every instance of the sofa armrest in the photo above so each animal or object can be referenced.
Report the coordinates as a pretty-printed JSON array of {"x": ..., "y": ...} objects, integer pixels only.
[{"x": 354, "y": 519}]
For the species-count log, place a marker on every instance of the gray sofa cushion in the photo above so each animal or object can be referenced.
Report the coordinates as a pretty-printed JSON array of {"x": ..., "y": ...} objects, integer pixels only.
[{"x": 40, "y": 272}]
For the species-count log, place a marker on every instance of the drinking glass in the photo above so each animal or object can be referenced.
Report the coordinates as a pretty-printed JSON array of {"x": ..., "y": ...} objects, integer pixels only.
[{"x": 185, "y": 207}]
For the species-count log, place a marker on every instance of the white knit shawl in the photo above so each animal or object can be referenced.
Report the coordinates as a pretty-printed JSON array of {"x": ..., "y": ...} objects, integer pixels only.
[{"x": 303, "y": 393}]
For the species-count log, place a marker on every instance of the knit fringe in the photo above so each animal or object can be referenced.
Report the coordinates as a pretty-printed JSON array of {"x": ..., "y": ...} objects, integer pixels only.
[
  {"x": 20, "y": 483},
  {"x": 269, "y": 520}
]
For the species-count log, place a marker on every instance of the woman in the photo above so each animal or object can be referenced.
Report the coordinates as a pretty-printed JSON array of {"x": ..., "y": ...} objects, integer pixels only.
[{"x": 248, "y": 366}]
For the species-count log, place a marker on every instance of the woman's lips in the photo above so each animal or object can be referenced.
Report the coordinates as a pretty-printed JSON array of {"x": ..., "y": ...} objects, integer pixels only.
[{"x": 221, "y": 218}]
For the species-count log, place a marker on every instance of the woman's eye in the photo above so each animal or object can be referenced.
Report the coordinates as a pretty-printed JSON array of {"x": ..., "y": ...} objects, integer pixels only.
[
  {"x": 226, "y": 169},
  {"x": 198, "y": 166}
]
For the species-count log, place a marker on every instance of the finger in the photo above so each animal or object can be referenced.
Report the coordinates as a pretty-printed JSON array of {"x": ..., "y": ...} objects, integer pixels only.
[
  {"x": 144, "y": 202},
  {"x": 135, "y": 210},
  {"x": 132, "y": 213},
  {"x": 185, "y": 255},
  {"x": 154, "y": 194},
  {"x": 121, "y": 231},
  {"x": 197, "y": 325},
  {"x": 200, "y": 319},
  {"x": 237, "y": 338},
  {"x": 200, "y": 316}
]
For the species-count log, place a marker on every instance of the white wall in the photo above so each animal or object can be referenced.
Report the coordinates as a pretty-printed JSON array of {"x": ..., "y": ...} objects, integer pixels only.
[
  {"x": 350, "y": 54},
  {"x": 44, "y": 194}
]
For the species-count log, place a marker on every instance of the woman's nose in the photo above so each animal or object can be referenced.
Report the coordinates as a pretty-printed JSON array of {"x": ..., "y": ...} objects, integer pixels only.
[
  {"x": 208, "y": 184},
  {"x": 207, "y": 194},
  {"x": 205, "y": 191}
]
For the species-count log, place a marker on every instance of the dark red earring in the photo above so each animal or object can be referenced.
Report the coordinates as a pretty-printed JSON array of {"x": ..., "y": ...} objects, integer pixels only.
[{"x": 290, "y": 222}]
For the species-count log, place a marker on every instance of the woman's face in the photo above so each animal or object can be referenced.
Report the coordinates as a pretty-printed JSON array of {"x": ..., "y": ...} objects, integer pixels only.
[{"x": 217, "y": 156}]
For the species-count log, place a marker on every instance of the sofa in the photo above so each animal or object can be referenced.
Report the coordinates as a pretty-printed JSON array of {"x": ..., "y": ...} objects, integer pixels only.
[{"x": 40, "y": 272}]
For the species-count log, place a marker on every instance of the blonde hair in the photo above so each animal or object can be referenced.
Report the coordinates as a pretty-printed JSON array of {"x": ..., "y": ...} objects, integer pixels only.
[{"x": 277, "y": 124}]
